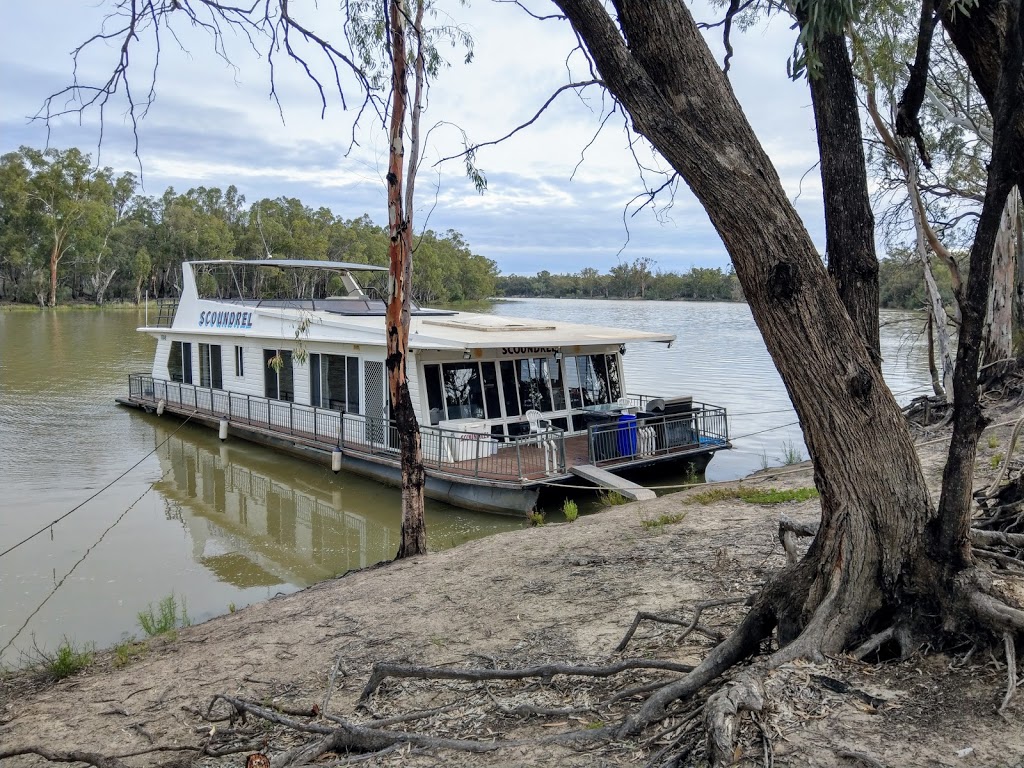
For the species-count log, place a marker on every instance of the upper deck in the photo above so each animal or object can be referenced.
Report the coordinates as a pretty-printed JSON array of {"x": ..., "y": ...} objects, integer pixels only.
[{"x": 227, "y": 297}]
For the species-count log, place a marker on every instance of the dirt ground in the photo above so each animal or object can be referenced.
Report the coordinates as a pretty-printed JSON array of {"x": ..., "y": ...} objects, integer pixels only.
[{"x": 560, "y": 593}]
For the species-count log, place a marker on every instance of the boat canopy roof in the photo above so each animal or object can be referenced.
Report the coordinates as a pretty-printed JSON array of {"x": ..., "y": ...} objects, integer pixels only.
[{"x": 292, "y": 263}]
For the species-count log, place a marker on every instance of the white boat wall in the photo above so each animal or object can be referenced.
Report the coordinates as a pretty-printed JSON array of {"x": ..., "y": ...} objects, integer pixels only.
[{"x": 506, "y": 406}]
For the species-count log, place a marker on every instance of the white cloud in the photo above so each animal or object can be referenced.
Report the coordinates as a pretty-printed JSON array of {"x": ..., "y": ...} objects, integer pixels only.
[{"x": 214, "y": 125}]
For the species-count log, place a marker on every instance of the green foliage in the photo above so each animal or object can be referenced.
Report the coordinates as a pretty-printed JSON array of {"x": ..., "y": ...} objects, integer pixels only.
[
  {"x": 167, "y": 616},
  {"x": 128, "y": 651},
  {"x": 116, "y": 243},
  {"x": 536, "y": 518},
  {"x": 901, "y": 280},
  {"x": 570, "y": 510},
  {"x": 611, "y": 499},
  {"x": 627, "y": 281},
  {"x": 817, "y": 19},
  {"x": 995, "y": 460},
  {"x": 67, "y": 660},
  {"x": 791, "y": 453},
  {"x": 752, "y": 495},
  {"x": 773, "y": 496},
  {"x": 662, "y": 521}
]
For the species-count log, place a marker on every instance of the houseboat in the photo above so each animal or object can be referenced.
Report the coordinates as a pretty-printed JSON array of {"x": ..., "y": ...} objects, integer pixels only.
[{"x": 507, "y": 407}]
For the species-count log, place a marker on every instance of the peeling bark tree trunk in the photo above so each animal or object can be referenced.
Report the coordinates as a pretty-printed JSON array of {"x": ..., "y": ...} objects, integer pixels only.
[
  {"x": 414, "y": 526},
  {"x": 869, "y": 552},
  {"x": 1018, "y": 255},
  {"x": 998, "y": 330},
  {"x": 849, "y": 221},
  {"x": 936, "y": 309}
]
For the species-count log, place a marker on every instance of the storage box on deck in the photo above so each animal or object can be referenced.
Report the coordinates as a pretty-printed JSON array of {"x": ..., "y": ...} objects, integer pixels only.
[
  {"x": 474, "y": 439},
  {"x": 679, "y": 423}
]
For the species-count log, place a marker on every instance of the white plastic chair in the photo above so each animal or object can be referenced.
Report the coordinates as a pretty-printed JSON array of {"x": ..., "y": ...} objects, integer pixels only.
[
  {"x": 540, "y": 426},
  {"x": 623, "y": 402},
  {"x": 533, "y": 417}
]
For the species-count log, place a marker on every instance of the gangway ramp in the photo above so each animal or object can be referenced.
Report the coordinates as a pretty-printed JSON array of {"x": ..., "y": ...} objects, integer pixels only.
[{"x": 605, "y": 479}]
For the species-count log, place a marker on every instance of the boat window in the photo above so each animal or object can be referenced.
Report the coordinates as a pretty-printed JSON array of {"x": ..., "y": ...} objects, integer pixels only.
[
  {"x": 553, "y": 373},
  {"x": 239, "y": 359},
  {"x": 278, "y": 382},
  {"x": 614, "y": 380},
  {"x": 572, "y": 378},
  {"x": 593, "y": 377},
  {"x": 534, "y": 392},
  {"x": 435, "y": 399},
  {"x": 174, "y": 362},
  {"x": 352, "y": 378},
  {"x": 463, "y": 393},
  {"x": 179, "y": 362},
  {"x": 314, "y": 381},
  {"x": 491, "y": 399},
  {"x": 508, "y": 386},
  {"x": 210, "y": 374},
  {"x": 334, "y": 382}
]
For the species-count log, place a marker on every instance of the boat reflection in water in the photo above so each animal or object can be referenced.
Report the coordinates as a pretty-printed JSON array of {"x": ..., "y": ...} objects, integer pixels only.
[{"x": 260, "y": 519}]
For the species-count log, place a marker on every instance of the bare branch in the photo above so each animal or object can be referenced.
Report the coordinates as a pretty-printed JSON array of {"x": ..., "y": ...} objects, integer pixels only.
[
  {"x": 527, "y": 124},
  {"x": 549, "y": 17}
]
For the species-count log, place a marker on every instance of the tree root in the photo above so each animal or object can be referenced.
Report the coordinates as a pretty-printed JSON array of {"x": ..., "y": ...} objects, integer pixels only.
[
  {"x": 74, "y": 756},
  {"x": 721, "y": 715},
  {"x": 743, "y": 642},
  {"x": 789, "y": 529},
  {"x": 383, "y": 670},
  {"x": 689, "y": 626},
  {"x": 346, "y": 737},
  {"x": 91, "y": 758},
  {"x": 1011, "y": 669}
]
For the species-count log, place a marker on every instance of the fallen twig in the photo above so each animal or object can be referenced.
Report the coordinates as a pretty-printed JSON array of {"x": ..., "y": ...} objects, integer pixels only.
[
  {"x": 690, "y": 626},
  {"x": 383, "y": 670}
]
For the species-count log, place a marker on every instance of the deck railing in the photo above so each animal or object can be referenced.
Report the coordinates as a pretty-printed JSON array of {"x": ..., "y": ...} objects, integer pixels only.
[
  {"x": 494, "y": 459},
  {"x": 505, "y": 459},
  {"x": 649, "y": 436}
]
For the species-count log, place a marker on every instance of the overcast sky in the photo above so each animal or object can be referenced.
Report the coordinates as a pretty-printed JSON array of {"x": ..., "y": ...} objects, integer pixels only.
[{"x": 214, "y": 125}]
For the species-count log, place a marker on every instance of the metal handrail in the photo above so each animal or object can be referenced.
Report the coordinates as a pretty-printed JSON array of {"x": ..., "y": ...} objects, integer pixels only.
[
  {"x": 496, "y": 459},
  {"x": 535, "y": 456},
  {"x": 648, "y": 437}
]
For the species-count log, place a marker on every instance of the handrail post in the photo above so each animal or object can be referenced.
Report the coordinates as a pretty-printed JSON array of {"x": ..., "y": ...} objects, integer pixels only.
[{"x": 519, "y": 459}]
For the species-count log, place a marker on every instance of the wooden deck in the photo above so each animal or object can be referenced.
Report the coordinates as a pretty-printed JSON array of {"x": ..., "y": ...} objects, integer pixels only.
[{"x": 523, "y": 462}]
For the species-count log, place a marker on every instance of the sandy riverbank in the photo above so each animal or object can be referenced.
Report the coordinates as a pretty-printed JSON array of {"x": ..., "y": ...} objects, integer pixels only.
[{"x": 564, "y": 593}]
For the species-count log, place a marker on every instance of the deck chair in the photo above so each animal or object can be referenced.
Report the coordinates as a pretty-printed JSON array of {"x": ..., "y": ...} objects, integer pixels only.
[
  {"x": 539, "y": 426},
  {"x": 535, "y": 420}
]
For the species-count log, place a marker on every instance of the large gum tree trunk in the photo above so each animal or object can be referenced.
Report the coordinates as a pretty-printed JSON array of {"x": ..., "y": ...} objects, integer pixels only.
[
  {"x": 849, "y": 221},
  {"x": 869, "y": 551},
  {"x": 414, "y": 526}
]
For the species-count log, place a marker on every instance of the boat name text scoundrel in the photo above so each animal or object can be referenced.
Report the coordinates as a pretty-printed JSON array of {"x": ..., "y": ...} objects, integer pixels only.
[
  {"x": 225, "y": 319},
  {"x": 528, "y": 350}
]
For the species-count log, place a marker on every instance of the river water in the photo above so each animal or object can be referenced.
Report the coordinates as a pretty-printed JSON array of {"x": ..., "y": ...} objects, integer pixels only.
[{"x": 224, "y": 525}]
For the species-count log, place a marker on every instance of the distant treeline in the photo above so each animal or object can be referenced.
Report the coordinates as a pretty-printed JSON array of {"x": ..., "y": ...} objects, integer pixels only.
[
  {"x": 901, "y": 283},
  {"x": 72, "y": 232},
  {"x": 636, "y": 280}
]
